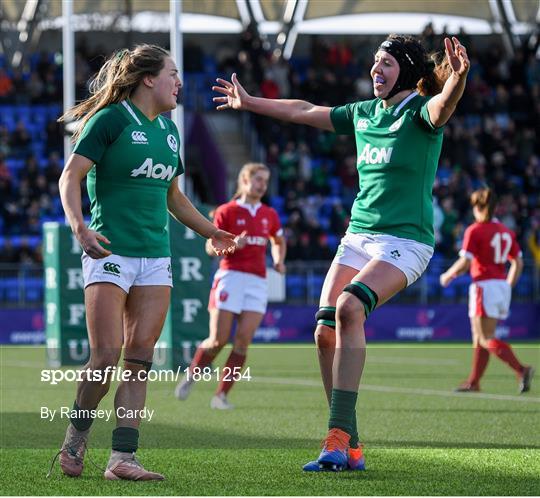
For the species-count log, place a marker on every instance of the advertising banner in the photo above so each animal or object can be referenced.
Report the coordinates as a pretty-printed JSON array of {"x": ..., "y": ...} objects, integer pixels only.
[{"x": 65, "y": 320}]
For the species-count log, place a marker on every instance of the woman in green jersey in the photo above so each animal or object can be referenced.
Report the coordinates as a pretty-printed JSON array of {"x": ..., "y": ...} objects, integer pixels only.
[
  {"x": 129, "y": 154},
  {"x": 390, "y": 240}
]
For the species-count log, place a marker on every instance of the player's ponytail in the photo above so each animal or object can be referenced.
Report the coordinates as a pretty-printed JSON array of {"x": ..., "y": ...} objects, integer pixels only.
[
  {"x": 437, "y": 72},
  {"x": 117, "y": 80},
  {"x": 247, "y": 171},
  {"x": 485, "y": 200}
]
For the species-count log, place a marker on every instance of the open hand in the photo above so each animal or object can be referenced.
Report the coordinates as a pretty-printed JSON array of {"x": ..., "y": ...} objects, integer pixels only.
[
  {"x": 235, "y": 96},
  {"x": 457, "y": 57},
  {"x": 89, "y": 240},
  {"x": 241, "y": 240},
  {"x": 223, "y": 242}
]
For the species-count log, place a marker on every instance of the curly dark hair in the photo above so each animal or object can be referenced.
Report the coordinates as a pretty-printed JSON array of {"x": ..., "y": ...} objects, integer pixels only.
[{"x": 435, "y": 69}]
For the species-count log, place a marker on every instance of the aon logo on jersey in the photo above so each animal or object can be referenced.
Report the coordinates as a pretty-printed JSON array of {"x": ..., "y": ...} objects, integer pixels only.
[
  {"x": 374, "y": 155},
  {"x": 151, "y": 170}
]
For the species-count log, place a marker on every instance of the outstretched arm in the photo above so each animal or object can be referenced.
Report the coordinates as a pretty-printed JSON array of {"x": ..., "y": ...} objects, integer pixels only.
[
  {"x": 180, "y": 207},
  {"x": 293, "y": 111},
  {"x": 442, "y": 106}
]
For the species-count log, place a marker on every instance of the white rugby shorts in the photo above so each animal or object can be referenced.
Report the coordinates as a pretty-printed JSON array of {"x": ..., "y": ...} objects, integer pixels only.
[
  {"x": 490, "y": 298},
  {"x": 126, "y": 272},
  {"x": 410, "y": 256},
  {"x": 238, "y": 291}
]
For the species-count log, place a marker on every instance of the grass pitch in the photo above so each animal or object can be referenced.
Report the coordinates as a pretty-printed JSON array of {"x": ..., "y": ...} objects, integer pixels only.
[{"x": 420, "y": 437}]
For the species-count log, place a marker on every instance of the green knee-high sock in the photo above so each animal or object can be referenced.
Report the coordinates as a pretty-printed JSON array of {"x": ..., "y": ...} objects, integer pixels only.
[
  {"x": 81, "y": 419},
  {"x": 353, "y": 443},
  {"x": 125, "y": 439},
  {"x": 342, "y": 408}
]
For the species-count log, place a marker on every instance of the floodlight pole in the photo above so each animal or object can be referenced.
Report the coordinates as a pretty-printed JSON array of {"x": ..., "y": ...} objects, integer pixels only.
[
  {"x": 177, "y": 53},
  {"x": 68, "y": 65}
]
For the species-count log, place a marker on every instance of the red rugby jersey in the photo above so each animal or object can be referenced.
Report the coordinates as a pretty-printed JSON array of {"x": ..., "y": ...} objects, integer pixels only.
[
  {"x": 260, "y": 222},
  {"x": 489, "y": 245}
]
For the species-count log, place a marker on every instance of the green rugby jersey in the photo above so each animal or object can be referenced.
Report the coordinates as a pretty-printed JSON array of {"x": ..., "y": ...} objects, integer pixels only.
[
  {"x": 398, "y": 151},
  {"x": 135, "y": 161}
]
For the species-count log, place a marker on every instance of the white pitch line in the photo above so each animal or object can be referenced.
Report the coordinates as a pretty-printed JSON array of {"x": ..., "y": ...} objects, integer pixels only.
[
  {"x": 396, "y": 360},
  {"x": 402, "y": 390}
]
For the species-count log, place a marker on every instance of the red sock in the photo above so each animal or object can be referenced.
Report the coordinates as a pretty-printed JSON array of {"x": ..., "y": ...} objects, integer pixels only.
[
  {"x": 479, "y": 364},
  {"x": 201, "y": 359},
  {"x": 229, "y": 372},
  {"x": 503, "y": 351}
]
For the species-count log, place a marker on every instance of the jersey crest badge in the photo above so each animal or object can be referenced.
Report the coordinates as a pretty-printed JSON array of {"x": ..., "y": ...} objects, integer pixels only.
[{"x": 173, "y": 144}]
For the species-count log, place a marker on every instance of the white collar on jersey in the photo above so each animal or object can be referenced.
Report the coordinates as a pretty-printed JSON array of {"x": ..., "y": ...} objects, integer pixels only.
[
  {"x": 250, "y": 207},
  {"x": 403, "y": 103},
  {"x": 136, "y": 118}
]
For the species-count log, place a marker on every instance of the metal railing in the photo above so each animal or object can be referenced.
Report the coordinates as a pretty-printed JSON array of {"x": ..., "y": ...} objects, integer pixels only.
[
  {"x": 23, "y": 285},
  {"x": 305, "y": 279}
]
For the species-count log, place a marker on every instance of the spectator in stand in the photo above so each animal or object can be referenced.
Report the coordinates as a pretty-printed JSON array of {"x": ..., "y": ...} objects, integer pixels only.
[
  {"x": 55, "y": 137},
  {"x": 44, "y": 64},
  {"x": 322, "y": 250},
  {"x": 294, "y": 252},
  {"x": 35, "y": 88},
  {"x": 533, "y": 241},
  {"x": 278, "y": 71},
  {"x": 20, "y": 140},
  {"x": 305, "y": 247},
  {"x": 30, "y": 172},
  {"x": 5, "y": 173},
  {"x": 20, "y": 92},
  {"x": 5, "y": 148},
  {"x": 51, "y": 88},
  {"x": 54, "y": 168},
  {"x": 339, "y": 219},
  {"x": 269, "y": 89},
  {"x": 26, "y": 255},
  {"x": 491, "y": 139},
  {"x": 8, "y": 253},
  {"x": 447, "y": 228},
  {"x": 6, "y": 87},
  {"x": 288, "y": 166}
]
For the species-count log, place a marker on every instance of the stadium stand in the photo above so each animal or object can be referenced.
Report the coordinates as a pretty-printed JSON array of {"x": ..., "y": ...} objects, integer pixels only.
[{"x": 491, "y": 140}]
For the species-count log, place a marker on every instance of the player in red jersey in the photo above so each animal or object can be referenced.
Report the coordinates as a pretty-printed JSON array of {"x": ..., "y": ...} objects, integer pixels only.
[
  {"x": 487, "y": 246},
  {"x": 239, "y": 289}
]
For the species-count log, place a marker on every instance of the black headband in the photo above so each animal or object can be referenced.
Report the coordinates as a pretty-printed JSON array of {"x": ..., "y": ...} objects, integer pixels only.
[{"x": 411, "y": 68}]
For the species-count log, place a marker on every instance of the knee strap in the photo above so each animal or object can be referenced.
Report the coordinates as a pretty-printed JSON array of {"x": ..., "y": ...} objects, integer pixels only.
[
  {"x": 367, "y": 296},
  {"x": 326, "y": 316},
  {"x": 147, "y": 365}
]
